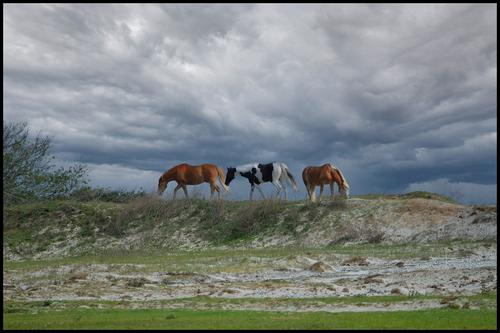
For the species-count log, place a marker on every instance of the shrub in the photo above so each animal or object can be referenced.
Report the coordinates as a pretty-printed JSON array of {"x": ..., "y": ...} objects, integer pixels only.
[
  {"x": 229, "y": 221},
  {"x": 102, "y": 194},
  {"x": 28, "y": 174}
]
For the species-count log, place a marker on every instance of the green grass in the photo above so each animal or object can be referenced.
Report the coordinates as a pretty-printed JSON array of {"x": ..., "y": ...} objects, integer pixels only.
[
  {"x": 207, "y": 319},
  {"x": 483, "y": 301}
]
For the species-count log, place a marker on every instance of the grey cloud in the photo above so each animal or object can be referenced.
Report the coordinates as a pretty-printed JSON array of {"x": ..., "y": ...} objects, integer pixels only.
[{"x": 393, "y": 94}]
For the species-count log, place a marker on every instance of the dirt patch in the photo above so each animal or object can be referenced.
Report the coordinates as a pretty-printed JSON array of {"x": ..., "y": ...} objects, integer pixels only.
[
  {"x": 468, "y": 272},
  {"x": 359, "y": 261},
  {"x": 320, "y": 267}
]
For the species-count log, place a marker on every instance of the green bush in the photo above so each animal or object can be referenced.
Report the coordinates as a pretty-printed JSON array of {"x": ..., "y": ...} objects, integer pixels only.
[
  {"x": 227, "y": 221},
  {"x": 28, "y": 173},
  {"x": 102, "y": 194}
]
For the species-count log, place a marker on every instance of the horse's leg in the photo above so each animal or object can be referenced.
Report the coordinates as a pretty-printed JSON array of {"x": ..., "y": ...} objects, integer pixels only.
[
  {"x": 261, "y": 193},
  {"x": 308, "y": 190},
  {"x": 217, "y": 189},
  {"x": 176, "y": 189},
  {"x": 282, "y": 186},
  {"x": 320, "y": 191},
  {"x": 282, "y": 182},
  {"x": 184, "y": 188},
  {"x": 212, "y": 189},
  {"x": 278, "y": 188},
  {"x": 252, "y": 187},
  {"x": 313, "y": 193},
  {"x": 331, "y": 189}
]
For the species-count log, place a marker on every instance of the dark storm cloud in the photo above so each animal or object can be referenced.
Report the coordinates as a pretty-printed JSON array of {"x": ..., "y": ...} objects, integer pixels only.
[{"x": 395, "y": 95}]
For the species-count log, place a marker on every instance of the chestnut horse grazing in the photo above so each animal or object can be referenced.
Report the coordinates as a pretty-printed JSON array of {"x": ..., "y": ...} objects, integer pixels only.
[
  {"x": 319, "y": 176},
  {"x": 185, "y": 174}
]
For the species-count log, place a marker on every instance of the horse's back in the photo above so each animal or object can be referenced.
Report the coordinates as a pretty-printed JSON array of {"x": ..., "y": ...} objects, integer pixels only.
[
  {"x": 312, "y": 170},
  {"x": 209, "y": 166},
  {"x": 182, "y": 167},
  {"x": 317, "y": 175},
  {"x": 196, "y": 168},
  {"x": 209, "y": 170},
  {"x": 195, "y": 174}
]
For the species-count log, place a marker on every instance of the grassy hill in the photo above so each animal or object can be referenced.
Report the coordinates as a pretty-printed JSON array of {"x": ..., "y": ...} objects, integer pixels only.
[
  {"x": 419, "y": 259},
  {"x": 61, "y": 228}
]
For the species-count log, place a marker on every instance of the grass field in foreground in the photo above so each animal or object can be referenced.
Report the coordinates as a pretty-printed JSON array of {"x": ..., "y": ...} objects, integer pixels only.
[
  {"x": 202, "y": 319},
  {"x": 485, "y": 301}
]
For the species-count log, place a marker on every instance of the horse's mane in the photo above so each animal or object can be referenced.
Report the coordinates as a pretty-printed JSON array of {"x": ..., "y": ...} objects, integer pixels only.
[
  {"x": 344, "y": 181},
  {"x": 246, "y": 167}
]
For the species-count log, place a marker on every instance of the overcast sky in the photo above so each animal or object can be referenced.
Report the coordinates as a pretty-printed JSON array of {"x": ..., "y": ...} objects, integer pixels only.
[{"x": 399, "y": 97}]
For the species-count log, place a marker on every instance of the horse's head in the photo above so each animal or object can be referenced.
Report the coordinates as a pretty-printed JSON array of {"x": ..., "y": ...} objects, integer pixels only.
[
  {"x": 344, "y": 190},
  {"x": 162, "y": 185},
  {"x": 341, "y": 181},
  {"x": 230, "y": 175}
]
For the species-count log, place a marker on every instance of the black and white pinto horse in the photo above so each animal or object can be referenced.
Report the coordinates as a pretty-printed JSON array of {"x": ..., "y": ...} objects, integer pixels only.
[{"x": 276, "y": 173}]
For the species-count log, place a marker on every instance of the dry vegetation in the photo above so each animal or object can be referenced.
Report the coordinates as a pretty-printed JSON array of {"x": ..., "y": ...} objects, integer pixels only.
[{"x": 60, "y": 228}]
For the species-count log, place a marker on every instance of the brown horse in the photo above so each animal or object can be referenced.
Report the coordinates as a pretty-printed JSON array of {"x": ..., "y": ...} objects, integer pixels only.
[
  {"x": 321, "y": 175},
  {"x": 185, "y": 174}
]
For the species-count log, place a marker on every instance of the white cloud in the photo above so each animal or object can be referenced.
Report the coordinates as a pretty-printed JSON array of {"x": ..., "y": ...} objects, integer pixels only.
[{"x": 120, "y": 177}]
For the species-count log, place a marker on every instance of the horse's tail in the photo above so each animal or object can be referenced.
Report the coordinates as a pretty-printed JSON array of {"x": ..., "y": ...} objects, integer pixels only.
[
  {"x": 304, "y": 176},
  {"x": 222, "y": 179},
  {"x": 290, "y": 177},
  {"x": 344, "y": 181}
]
